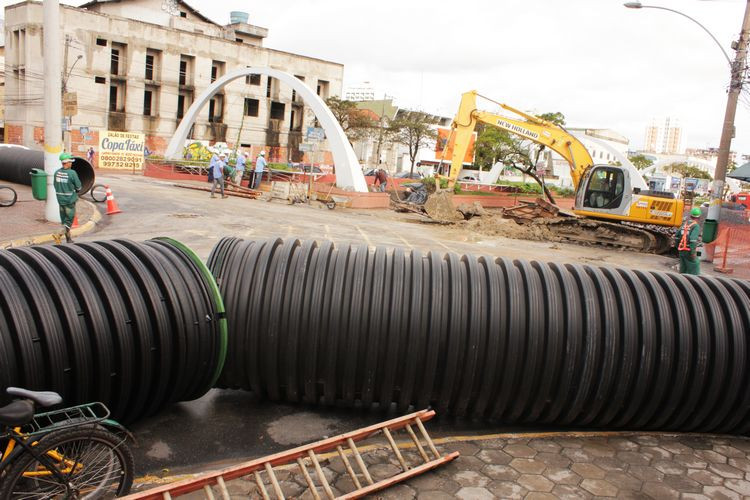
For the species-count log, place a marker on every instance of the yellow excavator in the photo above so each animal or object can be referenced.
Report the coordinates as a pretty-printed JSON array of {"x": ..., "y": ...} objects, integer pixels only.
[{"x": 613, "y": 203}]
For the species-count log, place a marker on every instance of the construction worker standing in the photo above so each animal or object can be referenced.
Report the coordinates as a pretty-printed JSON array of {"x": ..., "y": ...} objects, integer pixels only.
[
  {"x": 687, "y": 244},
  {"x": 67, "y": 184}
]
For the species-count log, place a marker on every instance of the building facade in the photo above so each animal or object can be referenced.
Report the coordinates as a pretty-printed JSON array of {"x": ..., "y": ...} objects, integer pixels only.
[
  {"x": 664, "y": 136},
  {"x": 137, "y": 66}
]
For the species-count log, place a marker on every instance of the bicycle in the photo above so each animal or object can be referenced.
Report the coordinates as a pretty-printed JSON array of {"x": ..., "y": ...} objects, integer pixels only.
[
  {"x": 75, "y": 452},
  {"x": 8, "y": 196}
]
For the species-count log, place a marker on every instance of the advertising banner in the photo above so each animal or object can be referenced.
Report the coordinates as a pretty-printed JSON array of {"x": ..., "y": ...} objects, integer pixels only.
[{"x": 121, "y": 150}]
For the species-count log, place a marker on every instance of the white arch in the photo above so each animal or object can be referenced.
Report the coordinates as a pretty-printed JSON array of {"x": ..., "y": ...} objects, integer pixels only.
[{"x": 348, "y": 172}]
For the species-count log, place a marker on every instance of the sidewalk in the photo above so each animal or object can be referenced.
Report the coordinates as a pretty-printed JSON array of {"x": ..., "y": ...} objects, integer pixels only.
[
  {"x": 543, "y": 466},
  {"x": 24, "y": 223}
]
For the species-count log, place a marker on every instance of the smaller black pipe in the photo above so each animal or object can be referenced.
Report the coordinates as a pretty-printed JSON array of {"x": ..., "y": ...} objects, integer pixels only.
[{"x": 17, "y": 162}]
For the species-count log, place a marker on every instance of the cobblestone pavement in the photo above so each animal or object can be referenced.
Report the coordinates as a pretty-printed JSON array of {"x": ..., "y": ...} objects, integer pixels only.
[{"x": 622, "y": 465}]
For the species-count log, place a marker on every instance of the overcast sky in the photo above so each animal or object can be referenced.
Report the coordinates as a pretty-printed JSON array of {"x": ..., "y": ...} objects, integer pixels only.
[{"x": 598, "y": 63}]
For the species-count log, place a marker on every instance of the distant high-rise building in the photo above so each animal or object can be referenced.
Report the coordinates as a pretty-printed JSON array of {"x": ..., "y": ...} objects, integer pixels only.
[
  {"x": 361, "y": 92},
  {"x": 664, "y": 136}
]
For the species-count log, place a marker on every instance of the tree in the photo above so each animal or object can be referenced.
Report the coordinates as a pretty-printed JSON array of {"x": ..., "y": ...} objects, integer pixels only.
[
  {"x": 640, "y": 161},
  {"x": 555, "y": 117},
  {"x": 413, "y": 129},
  {"x": 356, "y": 123},
  {"x": 686, "y": 170}
]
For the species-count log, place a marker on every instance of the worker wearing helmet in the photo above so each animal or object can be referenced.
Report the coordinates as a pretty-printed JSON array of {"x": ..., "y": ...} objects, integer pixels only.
[
  {"x": 67, "y": 184},
  {"x": 687, "y": 243},
  {"x": 260, "y": 167}
]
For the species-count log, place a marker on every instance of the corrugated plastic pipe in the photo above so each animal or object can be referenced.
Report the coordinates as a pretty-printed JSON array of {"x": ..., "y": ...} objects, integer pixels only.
[
  {"x": 135, "y": 325},
  {"x": 17, "y": 162},
  {"x": 512, "y": 341}
]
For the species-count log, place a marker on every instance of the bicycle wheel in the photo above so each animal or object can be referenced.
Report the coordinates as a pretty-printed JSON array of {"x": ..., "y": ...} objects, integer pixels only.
[
  {"x": 98, "y": 193},
  {"x": 8, "y": 196},
  {"x": 95, "y": 463}
]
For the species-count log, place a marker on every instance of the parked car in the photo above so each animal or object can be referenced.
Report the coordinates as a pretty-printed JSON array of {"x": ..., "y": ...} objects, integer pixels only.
[{"x": 370, "y": 172}]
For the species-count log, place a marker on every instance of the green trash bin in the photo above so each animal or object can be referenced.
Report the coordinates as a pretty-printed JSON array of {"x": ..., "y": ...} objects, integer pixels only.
[
  {"x": 710, "y": 228},
  {"x": 39, "y": 184}
]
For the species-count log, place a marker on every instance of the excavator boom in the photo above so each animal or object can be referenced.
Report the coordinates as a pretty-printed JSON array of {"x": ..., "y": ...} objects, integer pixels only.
[{"x": 533, "y": 128}]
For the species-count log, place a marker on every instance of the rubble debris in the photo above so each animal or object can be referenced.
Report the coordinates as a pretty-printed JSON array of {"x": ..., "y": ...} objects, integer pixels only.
[
  {"x": 474, "y": 210},
  {"x": 528, "y": 211},
  {"x": 439, "y": 207}
]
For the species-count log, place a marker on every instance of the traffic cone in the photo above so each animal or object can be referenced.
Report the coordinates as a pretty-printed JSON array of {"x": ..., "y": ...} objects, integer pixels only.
[
  {"x": 75, "y": 222},
  {"x": 112, "y": 207}
]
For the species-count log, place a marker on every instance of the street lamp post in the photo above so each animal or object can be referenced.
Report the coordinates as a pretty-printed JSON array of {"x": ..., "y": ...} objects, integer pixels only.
[{"x": 738, "y": 69}]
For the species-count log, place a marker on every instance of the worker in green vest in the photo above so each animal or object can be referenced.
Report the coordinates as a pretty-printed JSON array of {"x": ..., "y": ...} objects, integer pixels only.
[
  {"x": 67, "y": 184},
  {"x": 687, "y": 244}
]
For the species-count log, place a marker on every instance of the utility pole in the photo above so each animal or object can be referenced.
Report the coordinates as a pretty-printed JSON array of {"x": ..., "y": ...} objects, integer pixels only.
[
  {"x": 727, "y": 133},
  {"x": 66, "y": 132},
  {"x": 52, "y": 103}
]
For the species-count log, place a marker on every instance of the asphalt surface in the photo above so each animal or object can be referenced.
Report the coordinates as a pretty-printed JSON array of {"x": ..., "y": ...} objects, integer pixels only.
[{"x": 227, "y": 426}]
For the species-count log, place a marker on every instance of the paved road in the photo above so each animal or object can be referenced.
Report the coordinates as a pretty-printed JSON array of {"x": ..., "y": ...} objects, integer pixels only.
[
  {"x": 153, "y": 207},
  {"x": 225, "y": 426}
]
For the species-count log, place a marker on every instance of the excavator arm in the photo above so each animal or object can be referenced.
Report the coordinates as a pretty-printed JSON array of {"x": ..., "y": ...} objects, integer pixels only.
[{"x": 531, "y": 127}]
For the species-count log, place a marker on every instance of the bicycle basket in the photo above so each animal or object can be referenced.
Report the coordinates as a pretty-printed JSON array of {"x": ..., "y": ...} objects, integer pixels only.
[{"x": 75, "y": 416}]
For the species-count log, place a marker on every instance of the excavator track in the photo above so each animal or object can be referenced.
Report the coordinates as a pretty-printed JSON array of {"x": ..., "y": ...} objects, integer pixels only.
[{"x": 611, "y": 234}]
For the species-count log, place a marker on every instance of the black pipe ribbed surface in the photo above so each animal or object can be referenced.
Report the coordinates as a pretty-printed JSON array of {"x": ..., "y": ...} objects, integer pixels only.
[
  {"x": 16, "y": 163},
  {"x": 134, "y": 325},
  {"x": 507, "y": 340}
]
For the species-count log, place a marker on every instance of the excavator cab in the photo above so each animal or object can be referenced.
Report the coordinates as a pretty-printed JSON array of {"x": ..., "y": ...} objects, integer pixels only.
[{"x": 605, "y": 188}]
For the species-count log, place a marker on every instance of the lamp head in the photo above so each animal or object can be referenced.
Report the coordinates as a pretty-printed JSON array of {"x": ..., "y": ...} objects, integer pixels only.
[{"x": 633, "y": 5}]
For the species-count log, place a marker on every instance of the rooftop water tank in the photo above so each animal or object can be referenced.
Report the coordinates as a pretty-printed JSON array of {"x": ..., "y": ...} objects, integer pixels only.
[{"x": 237, "y": 16}]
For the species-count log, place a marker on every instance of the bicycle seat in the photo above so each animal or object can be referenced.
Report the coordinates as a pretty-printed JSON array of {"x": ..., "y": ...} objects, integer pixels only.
[
  {"x": 41, "y": 398},
  {"x": 17, "y": 413}
]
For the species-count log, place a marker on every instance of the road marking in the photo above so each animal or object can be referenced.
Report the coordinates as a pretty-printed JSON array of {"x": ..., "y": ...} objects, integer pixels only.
[
  {"x": 328, "y": 232},
  {"x": 445, "y": 246},
  {"x": 289, "y": 230},
  {"x": 367, "y": 239},
  {"x": 405, "y": 242}
]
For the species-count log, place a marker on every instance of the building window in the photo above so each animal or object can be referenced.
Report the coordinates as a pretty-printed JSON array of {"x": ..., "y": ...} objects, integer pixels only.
[
  {"x": 153, "y": 60},
  {"x": 251, "y": 107},
  {"x": 183, "y": 72},
  {"x": 114, "y": 64},
  {"x": 217, "y": 70},
  {"x": 252, "y": 79},
  {"x": 180, "y": 106},
  {"x": 101, "y": 42},
  {"x": 147, "y": 98},
  {"x": 216, "y": 109},
  {"x": 323, "y": 88},
  {"x": 277, "y": 110},
  {"x": 240, "y": 40},
  {"x": 117, "y": 59},
  {"x": 269, "y": 84},
  {"x": 100, "y": 79},
  {"x": 183, "y": 13},
  {"x": 184, "y": 99},
  {"x": 187, "y": 66},
  {"x": 113, "y": 97},
  {"x": 149, "y": 67}
]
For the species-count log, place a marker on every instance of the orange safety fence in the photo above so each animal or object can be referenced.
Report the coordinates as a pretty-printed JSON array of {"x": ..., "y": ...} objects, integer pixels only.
[{"x": 732, "y": 250}]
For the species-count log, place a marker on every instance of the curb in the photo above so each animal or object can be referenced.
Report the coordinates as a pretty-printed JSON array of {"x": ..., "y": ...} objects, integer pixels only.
[{"x": 46, "y": 238}]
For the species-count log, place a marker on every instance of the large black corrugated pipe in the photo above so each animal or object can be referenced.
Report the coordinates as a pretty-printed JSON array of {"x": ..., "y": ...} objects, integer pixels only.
[
  {"x": 134, "y": 325},
  {"x": 507, "y": 340},
  {"x": 16, "y": 163}
]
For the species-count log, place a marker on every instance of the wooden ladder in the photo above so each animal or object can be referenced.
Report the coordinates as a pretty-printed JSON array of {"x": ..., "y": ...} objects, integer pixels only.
[{"x": 362, "y": 481}]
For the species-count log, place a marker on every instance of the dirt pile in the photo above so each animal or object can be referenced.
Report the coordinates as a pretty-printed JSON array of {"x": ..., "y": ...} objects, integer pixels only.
[
  {"x": 497, "y": 226},
  {"x": 439, "y": 207}
]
